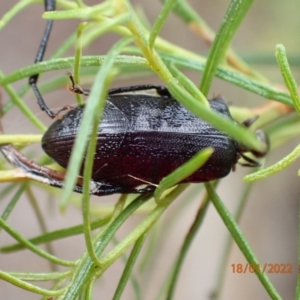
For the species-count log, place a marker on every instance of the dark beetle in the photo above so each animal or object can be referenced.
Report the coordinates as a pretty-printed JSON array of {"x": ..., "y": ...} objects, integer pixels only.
[
  {"x": 141, "y": 139},
  {"x": 144, "y": 138}
]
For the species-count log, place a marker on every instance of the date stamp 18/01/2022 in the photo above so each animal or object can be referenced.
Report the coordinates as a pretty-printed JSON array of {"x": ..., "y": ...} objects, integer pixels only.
[{"x": 269, "y": 268}]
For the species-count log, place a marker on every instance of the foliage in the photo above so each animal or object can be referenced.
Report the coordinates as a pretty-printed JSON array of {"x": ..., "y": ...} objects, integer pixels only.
[{"x": 140, "y": 51}]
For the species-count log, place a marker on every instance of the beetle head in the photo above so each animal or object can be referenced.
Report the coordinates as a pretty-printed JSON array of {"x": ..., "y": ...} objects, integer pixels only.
[{"x": 261, "y": 135}]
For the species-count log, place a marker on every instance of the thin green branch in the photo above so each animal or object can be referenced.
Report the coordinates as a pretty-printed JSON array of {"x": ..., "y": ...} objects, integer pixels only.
[
  {"x": 241, "y": 241},
  {"x": 56, "y": 235},
  {"x": 78, "y": 54},
  {"x": 21, "y": 105},
  {"x": 93, "y": 109},
  {"x": 288, "y": 76},
  {"x": 11, "y": 205},
  {"x": 32, "y": 247},
  {"x": 279, "y": 166},
  {"x": 20, "y": 138},
  {"x": 161, "y": 19},
  {"x": 186, "y": 246},
  {"x": 85, "y": 269},
  {"x": 226, "y": 253},
  {"x": 129, "y": 266},
  {"x": 40, "y": 276},
  {"x": 182, "y": 172},
  {"x": 27, "y": 286},
  {"x": 231, "y": 21}
]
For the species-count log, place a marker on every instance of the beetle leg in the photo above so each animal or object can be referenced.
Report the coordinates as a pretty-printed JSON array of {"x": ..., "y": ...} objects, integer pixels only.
[
  {"x": 49, "y": 6},
  {"x": 251, "y": 162},
  {"x": 147, "y": 189},
  {"x": 67, "y": 107},
  {"x": 103, "y": 189},
  {"x": 248, "y": 122},
  {"x": 76, "y": 89},
  {"x": 31, "y": 170},
  {"x": 260, "y": 135},
  {"x": 161, "y": 90}
]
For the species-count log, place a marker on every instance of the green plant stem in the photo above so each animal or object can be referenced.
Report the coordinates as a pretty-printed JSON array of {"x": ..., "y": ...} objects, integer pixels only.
[
  {"x": 21, "y": 105},
  {"x": 41, "y": 221},
  {"x": 13, "y": 202},
  {"x": 20, "y": 138},
  {"x": 89, "y": 290},
  {"x": 93, "y": 110},
  {"x": 27, "y": 286},
  {"x": 182, "y": 172},
  {"x": 162, "y": 17},
  {"x": 239, "y": 133},
  {"x": 279, "y": 166},
  {"x": 40, "y": 276},
  {"x": 87, "y": 175},
  {"x": 65, "y": 63},
  {"x": 9, "y": 15},
  {"x": 32, "y": 247},
  {"x": 186, "y": 246},
  {"x": 87, "y": 12},
  {"x": 240, "y": 240},
  {"x": 56, "y": 235},
  {"x": 200, "y": 27},
  {"x": 231, "y": 21},
  {"x": 80, "y": 3},
  {"x": 143, "y": 227},
  {"x": 288, "y": 76},
  {"x": 225, "y": 257},
  {"x": 78, "y": 54},
  {"x": 129, "y": 266},
  {"x": 85, "y": 269},
  {"x": 223, "y": 73}
]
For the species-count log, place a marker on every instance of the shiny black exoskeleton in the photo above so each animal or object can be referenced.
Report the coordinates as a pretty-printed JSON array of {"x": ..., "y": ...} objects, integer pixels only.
[
  {"x": 144, "y": 138},
  {"x": 141, "y": 138}
]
